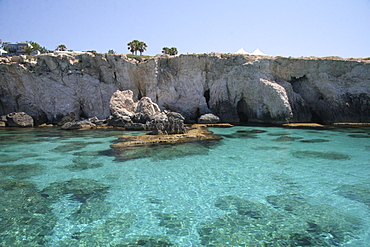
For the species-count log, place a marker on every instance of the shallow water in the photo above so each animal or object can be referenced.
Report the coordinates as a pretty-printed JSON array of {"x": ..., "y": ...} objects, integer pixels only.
[{"x": 258, "y": 186}]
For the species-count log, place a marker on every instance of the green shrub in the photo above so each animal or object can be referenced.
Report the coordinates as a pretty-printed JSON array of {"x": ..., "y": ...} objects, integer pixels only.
[{"x": 138, "y": 57}]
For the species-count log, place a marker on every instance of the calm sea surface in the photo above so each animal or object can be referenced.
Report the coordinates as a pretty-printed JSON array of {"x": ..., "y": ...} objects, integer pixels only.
[{"x": 258, "y": 186}]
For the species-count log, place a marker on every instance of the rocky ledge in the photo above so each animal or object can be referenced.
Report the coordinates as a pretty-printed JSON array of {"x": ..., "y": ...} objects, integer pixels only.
[{"x": 197, "y": 132}]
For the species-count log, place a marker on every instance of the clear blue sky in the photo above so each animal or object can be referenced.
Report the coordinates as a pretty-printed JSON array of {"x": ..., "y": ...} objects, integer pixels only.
[{"x": 276, "y": 27}]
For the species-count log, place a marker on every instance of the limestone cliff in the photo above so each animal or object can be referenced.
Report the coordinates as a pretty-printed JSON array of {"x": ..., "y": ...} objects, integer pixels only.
[{"x": 234, "y": 87}]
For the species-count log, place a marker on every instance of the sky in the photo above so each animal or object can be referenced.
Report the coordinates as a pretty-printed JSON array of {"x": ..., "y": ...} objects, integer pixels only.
[{"x": 277, "y": 27}]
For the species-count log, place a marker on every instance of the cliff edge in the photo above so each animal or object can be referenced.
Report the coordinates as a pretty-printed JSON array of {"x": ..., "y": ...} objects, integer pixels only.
[{"x": 237, "y": 88}]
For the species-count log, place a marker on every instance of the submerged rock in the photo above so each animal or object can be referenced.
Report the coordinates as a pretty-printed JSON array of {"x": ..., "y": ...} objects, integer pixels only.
[
  {"x": 292, "y": 221},
  {"x": 147, "y": 240},
  {"x": 320, "y": 155},
  {"x": 252, "y": 134},
  {"x": 195, "y": 133},
  {"x": 357, "y": 192},
  {"x": 176, "y": 224},
  {"x": 197, "y": 140},
  {"x": 78, "y": 125},
  {"x": 26, "y": 216},
  {"x": 89, "y": 194},
  {"x": 22, "y": 171},
  {"x": 109, "y": 233}
]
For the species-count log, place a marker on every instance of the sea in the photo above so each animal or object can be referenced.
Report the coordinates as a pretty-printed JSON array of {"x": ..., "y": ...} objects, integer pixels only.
[{"x": 257, "y": 186}]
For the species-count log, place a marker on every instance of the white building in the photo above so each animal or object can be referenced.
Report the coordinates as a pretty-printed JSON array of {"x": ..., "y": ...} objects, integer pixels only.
[{"x": 256, "y": 52}]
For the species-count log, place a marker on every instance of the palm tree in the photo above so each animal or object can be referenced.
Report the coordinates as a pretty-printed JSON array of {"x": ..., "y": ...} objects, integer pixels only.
[
  {"x": 35, "y": 46},
  {"x": 166, "y": 50},
  {"x": 142, "y": 47},
  {"x": 133, "y": 46},
  {"x": 169, "y": 51},
  {"x": 28, "y": 49},
  {"x": 173, "y": 51},
  {"x": 61, "y": 48}
]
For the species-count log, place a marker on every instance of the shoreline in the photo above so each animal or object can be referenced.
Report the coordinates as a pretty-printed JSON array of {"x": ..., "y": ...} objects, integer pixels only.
[{"x": 215, "y": 125}]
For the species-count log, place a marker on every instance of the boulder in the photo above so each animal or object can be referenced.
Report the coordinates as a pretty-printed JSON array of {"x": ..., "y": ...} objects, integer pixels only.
[
  {"x": 208, "y": 119},
  {"x": 135, "y": 126},
  {"x": 85, "y": 124},
  {"x": 175, "y": 115},
  {"x": 118, "y": 120},
  {"x": 69, "y": 117},
  {"x": 40, "y": 118},
  {"x": 3, "y": 121},
  {"x": 97, "y": 121},
  {"x": 140, "y": 117},
  {"x": 166, "y": 124},
  {"x": 19, "y": 119},
  {"x": 147, "y": 106},
  {"x": 122, "y": 100}
]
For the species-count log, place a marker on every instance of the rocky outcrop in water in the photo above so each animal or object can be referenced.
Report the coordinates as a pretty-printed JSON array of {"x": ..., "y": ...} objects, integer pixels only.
[
  {"x": 236, "y": 88},
  {"x": 16, "y": 119},
  {"x": 143, "y": 115}
]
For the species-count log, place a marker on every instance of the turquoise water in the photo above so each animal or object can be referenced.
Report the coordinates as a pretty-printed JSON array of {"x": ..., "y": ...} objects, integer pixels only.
[{"x": 258, "y": 186}]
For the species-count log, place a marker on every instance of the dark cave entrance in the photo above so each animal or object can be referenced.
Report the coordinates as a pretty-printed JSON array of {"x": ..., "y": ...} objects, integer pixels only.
[
  {"x": 139, "y": 95},
  {"x": 207, "y": 96},
  {"x": 296, "y": 80},
  {"x": 242, "y": 109},
  {"x": 83, "y": 115},
  {"x": 316, "y": 118}
]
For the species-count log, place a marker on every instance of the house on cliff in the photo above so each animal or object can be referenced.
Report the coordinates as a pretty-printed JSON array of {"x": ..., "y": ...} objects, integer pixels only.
[
  {"x": 16, "y": 49},
  {"x": 3, "y": 52}
]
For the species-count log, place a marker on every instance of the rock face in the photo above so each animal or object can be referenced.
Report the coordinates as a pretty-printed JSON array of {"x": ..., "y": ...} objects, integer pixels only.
[{"x": 236, "y": 88}]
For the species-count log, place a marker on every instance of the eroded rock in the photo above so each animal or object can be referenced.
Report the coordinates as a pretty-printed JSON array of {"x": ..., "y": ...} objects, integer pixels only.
[
  {"x": 237, "y": 88},
  {"x": 19, "y": 119},
  {"x": 208, "y": 118}
]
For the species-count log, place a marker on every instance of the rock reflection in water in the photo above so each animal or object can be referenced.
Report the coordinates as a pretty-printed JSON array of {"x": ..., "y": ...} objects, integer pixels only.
[{"x": 245, "y": 134}]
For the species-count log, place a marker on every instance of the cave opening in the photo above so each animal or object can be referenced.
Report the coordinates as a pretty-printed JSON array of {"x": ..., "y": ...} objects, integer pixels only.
[
  {"x": 294, "y": 79},
  {"x": 242, "y": 109},
  {"x": 83, "y": 115},
  {"x": 139, "y": 95},
  {"x": 197, "y": 114},
  {"x": 207, "y": 96},
  {"x": 316, "y": 118}
]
